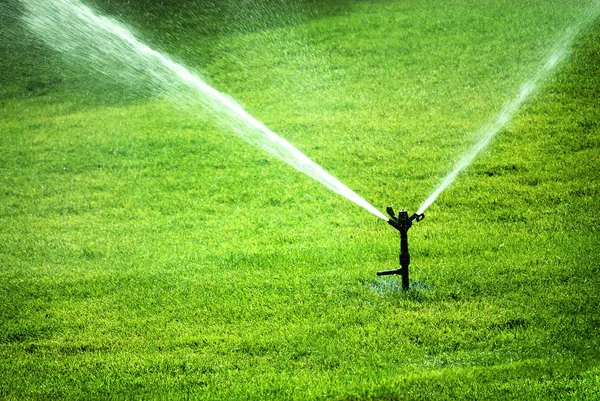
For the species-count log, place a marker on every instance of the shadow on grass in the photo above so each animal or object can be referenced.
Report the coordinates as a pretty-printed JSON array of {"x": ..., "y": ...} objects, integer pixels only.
[{"x": 183, "y": 29}]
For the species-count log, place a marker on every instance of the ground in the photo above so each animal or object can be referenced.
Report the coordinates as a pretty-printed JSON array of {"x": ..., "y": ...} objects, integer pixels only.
[{"x": 148, "y": 253}]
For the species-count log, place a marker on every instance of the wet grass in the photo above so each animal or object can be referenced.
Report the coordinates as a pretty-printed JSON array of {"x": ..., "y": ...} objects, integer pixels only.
[{"x": 148, "y": 254}]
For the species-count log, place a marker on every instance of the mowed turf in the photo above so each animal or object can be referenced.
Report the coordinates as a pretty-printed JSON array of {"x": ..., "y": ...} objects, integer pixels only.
[{"x": 148, "y": 254}]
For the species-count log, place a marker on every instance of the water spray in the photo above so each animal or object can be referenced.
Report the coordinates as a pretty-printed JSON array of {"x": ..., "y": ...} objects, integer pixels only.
[
  {"x": 108, "y": 47},
  {"x": 557, "y": 53},
  {"x": 402, "y": 223}
]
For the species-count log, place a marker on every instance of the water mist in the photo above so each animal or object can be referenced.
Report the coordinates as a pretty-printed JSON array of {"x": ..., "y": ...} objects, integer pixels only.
[
  {"x": 108, "y": 47},
  {"x": 487, "y": 132}
]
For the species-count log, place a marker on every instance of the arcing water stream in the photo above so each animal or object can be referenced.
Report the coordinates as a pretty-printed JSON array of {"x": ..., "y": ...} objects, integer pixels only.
[
  {"x": 560, "y": 50},
  {"x": 110, "y": 48}
]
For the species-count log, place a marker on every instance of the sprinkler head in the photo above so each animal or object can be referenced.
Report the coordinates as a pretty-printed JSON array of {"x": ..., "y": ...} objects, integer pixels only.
[{"x": 402, "y": 222}]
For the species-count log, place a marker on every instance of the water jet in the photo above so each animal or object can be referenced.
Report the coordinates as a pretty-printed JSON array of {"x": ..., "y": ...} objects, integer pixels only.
[
  {"x": 402, "y": 222},
  {"x": 106, "y": 46}
]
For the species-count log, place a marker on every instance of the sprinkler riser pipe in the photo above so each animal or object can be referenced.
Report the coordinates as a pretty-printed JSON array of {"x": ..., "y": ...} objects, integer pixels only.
[{"x": 404, "y": 255}]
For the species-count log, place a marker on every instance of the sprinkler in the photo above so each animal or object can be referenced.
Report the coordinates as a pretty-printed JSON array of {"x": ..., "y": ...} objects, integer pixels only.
[{"x": 402, "y": 223}]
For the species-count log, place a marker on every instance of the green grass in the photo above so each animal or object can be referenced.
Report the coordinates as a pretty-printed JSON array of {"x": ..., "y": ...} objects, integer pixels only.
[{"x": 146, "y": 254}]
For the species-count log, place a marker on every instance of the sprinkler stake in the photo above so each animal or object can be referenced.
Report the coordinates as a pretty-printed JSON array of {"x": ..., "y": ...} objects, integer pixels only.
[{"x": 402, "y": 223}]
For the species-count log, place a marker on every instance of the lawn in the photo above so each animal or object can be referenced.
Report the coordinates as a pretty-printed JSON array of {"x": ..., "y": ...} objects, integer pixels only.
[{"x": 149, "y": 253}]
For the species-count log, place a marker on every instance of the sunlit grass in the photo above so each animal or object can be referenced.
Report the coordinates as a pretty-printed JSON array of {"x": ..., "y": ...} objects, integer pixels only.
[{"x": 148, "y": 254}]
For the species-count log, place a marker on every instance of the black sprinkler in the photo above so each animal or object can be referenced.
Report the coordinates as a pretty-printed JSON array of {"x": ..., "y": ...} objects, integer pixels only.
[{"x": 402, "y": 223}]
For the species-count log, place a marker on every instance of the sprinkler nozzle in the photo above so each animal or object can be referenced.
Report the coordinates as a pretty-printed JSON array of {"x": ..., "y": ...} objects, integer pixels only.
[{"x": 417, "y": 217}]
